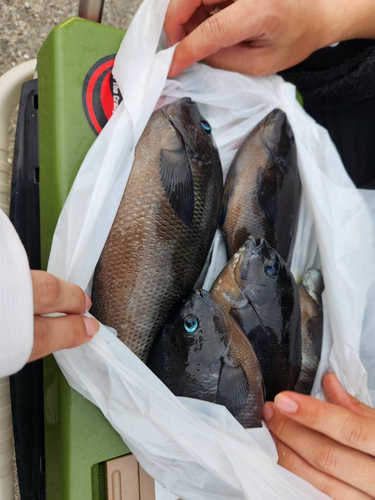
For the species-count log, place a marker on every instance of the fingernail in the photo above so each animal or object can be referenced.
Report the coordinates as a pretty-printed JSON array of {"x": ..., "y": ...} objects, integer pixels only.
[
  {"x": 92, "y": 326},
  {"x": 88, "y": 302},
  {"x": 267, "y": 412},
  {"x": 285, "y": 404}
]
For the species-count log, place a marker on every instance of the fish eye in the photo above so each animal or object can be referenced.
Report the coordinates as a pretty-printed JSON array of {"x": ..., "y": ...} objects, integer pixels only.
[
  {"x": 206, "y": 126},
  {"x": 272, "y": 268},
  {"x": 190, "y": 323}
]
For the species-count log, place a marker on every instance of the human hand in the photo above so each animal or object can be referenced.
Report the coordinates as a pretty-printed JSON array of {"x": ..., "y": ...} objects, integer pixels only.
[
  {"x": 258, "y": 38},
  {"x": 331, "y": 445},
  {"x": 53, "y": 295}
]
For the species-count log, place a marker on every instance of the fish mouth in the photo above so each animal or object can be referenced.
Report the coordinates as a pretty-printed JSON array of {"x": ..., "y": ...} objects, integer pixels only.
[
  {"x": 170, "y": 119},
  {"x": 277, "y": 136},
  {"x": 254, "y": 244},
  {"x": 182, "y": 115},
  {"x": 182, "y": 104},
  {"x": 255, "y": 247},
  {"x": 179, "y": 110},
  {"x": 277, "y": 115}
]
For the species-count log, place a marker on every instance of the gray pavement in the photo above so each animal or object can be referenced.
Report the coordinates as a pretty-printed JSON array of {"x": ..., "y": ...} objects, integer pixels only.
[{"x": 24, "y": 25}]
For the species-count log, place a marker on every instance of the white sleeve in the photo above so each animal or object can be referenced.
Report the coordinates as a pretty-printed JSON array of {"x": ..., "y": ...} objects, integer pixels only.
[{"x": 16, "y": 301}]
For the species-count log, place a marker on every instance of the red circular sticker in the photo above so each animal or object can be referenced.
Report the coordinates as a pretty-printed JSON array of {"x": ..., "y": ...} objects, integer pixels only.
[{"x": 101, "y": 95}]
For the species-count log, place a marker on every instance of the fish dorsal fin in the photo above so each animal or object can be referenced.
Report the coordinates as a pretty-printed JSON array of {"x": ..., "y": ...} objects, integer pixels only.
[
  {"x": 178, "y": 183},
  {"x": 267, "y": 193},
  {"x": 233, "y": 387}
]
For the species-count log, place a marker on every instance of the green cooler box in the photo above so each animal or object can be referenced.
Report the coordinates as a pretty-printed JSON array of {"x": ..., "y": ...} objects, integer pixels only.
[{"x": 77, "y": 95}]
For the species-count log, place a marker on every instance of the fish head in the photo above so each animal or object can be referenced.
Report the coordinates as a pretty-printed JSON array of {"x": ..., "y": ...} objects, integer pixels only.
[
  {"x": 261, "y": 273},
  {"x": 191, "y": 162},
  {"x": 197, "y": 330},
  {"x": 277, "y": 135},
  {"x": 314, "y": 284},
  {"x": 225, "y": 290},
  {"x": 193, "y": 130}
]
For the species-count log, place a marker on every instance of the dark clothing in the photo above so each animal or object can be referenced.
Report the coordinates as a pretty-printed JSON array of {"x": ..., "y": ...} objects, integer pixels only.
[{"x": 338, "y": 87}]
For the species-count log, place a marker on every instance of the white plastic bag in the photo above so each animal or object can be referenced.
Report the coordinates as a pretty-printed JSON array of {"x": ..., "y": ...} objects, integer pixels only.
[{"x": 196, "y": 449}]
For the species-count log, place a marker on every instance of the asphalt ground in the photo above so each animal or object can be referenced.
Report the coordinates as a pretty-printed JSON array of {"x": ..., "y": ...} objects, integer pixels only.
[{"x": 24, "y": 25}]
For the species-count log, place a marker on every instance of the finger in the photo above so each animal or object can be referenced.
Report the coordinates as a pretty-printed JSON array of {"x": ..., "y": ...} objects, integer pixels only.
[
  {"x": 244, "y": 59},
  {"x": 340, "y": 424},
  {"x": 331, "y": 486},
  {"x": 197, "y": 18},
  {"x": 224, "y": 29},
  {"x": 178, "y": 13},
  {"x": 257, "y": 57},
  {"x": 201, "y": 15},
  {"x": 53, "y": 295},
  {"x": 325, "y": 454},
  {"x": 65, "y": 332},
  {"x": 335, "y": 394}
]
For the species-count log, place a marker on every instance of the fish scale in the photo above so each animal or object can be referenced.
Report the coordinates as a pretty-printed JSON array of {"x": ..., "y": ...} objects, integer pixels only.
[
  {"x": 262, "y": 190},
  {"x": 152, "y": 258}
]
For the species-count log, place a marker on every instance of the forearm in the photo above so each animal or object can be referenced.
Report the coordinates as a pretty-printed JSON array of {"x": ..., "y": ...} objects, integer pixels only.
[{"x": 345, "y": 20}]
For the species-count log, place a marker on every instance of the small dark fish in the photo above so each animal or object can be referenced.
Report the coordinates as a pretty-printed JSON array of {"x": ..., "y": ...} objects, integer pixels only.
[
  {"x": 310, "y": 295},
  {"x": 262, "y": 191},
  {"x": 257, "y": 288},
  {"x": 164, "y": 226},
  {"x": 202, "y": 353}
]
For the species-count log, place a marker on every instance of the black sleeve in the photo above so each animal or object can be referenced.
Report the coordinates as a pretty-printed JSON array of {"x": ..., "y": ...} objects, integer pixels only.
[{"x": 338, "y": 88}]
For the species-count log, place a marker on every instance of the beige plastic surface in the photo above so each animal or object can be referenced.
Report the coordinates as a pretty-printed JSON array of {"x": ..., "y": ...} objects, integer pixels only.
[
  {"x": 10, "y": 90},
  {"x": 146, "y": 485},
  {"x": 126, "y": 480},
  {"x": 122, "y": 478}
]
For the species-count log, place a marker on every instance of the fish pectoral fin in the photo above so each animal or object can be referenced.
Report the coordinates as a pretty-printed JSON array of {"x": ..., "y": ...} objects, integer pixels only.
[
  {"x": 233, "y": 387},
  {"x": 178, "y": 183}
]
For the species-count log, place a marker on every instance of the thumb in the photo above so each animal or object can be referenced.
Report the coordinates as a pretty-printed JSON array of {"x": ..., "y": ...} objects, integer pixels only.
[{"x": 228, "y": 27}]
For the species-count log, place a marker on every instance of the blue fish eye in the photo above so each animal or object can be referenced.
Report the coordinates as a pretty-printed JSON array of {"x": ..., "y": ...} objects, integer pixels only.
[
  {"x": 206, "y": 126},
  {"x": 190, "y": 323},
  {"x": 272, "y": 268}
]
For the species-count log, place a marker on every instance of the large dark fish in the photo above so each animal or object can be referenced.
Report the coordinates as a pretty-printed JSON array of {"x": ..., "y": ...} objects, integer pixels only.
[
  {"x": 164, "y": 226},
  {"x": 262, "y": 191},
  {"x": 202, "y": 353},
  {"x": 310, "y": 295},
  {"x": 257, "y": 288}
]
